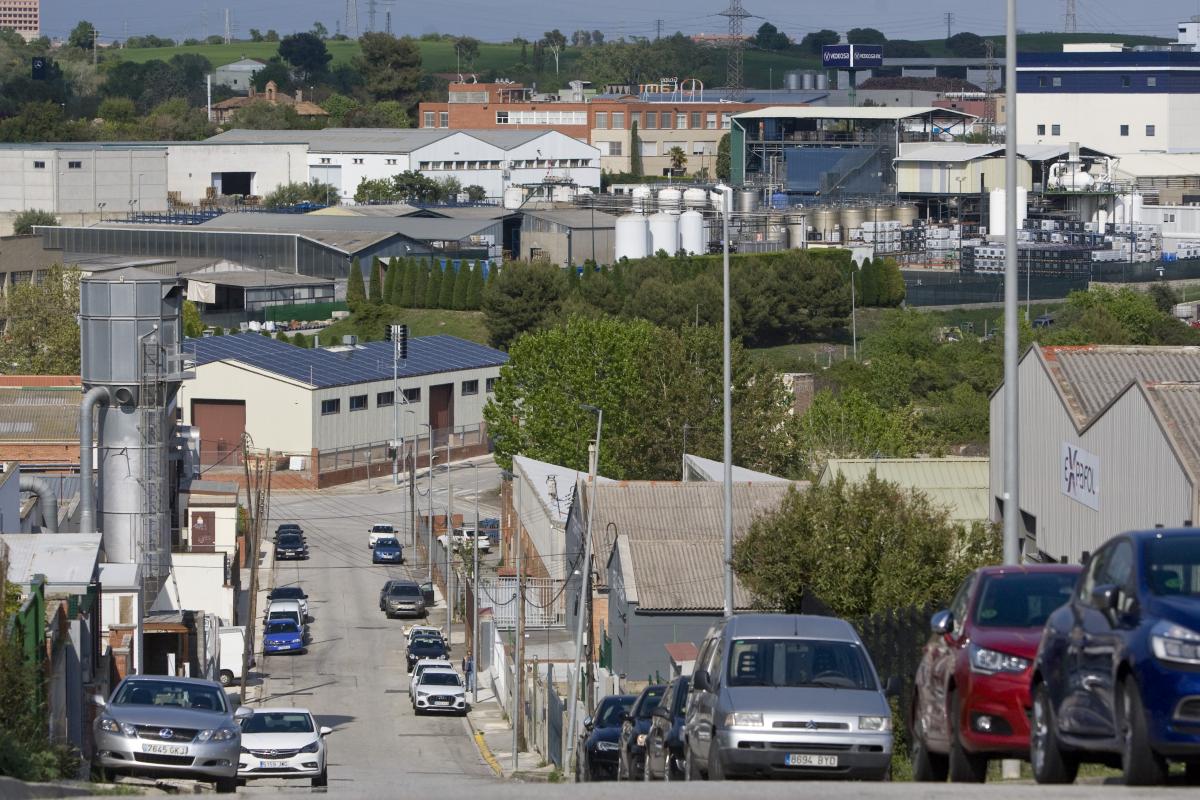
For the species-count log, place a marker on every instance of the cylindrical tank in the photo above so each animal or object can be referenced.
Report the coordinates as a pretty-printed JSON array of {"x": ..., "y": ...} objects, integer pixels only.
[
  {"x": 881, "y": 213},
  {"x": 691, "y": 232},
  {"x": 776, "y": 230},
  {"x": 562, "y": 194},
  {"x": 852, "y": 217},
  {"x": 1022, "y": 206},
  {"x": 793, "y": 81},
  {"x": 633, "y": 237},
  {"x": 746, "y": 201},
  {"x": 669, "y": 200},
  {"x": 996, "y": 218},
  {"x": 1134, "y": 205},
  {"x": 822, "y": 82},
  {"x": 1120, "y": 212},
  {"x": 906, "y": 214},
  {"x": 809, "y": 81},
  {"x": 825, "y": 219},
  {"x": 797, "y": 229},
  {"x": 641, "y": 197},
  {"x": 695, "y": 198},
  {"x": 513, "y": 197},
  {"x": 664, "y": 233}
]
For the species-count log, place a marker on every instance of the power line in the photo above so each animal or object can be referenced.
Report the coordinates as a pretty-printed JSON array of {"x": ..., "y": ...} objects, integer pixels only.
[
  {"x": 1070, "y": 19},
  {"x": 733, "y": 70},
  {"x": 949, "y": 22}
]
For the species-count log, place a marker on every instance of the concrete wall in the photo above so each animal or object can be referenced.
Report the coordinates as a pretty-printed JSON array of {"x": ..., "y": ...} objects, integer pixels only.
[
  {"x": 225, "y": 517},
  {"x": 278, "y": 412},
  {"x": 926, "y": 177},
  {"x": 191, "y": 166},
  {"x": 197, "y": 583},
  {"x": 557, "y": 247},
  {"x": 543, "y": 536},
  {"x": 344, "y": 170},
  {"x": 1096, "y": 119},
  {"x": 79, "y": 179}
]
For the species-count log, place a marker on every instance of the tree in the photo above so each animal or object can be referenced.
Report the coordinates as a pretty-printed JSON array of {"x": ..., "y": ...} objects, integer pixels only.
[
  {"x": 849, "y": 425},
  {"x": 768, "y": 37},
  {"x": 261, "y": 115},
  {"x": 1165, "y": 298},
  {"x": 462, "y": 278},
  {"x": 82, "y": 35},
  {"x": 118, "y": 110},
  {"x": 813, "y": 42},
  {"x": 292, "y": 194},
  {"x": 275, "y": 71},
  {"x": 433, "y": 289},
  {"x": 408, "y": 286},
  {"x": 376, "y": 190},
  {"x": 861, "y": 548},
  {"x": 521, "y": 298},
  {"x": 966, "y": 45},
  {"x": 384, "y": 114},
  {"x": 390, "y": 67},
  {"x": 41, "y": 336},
  {"x": 865, "y": 36},
  {"x": 466, "y": 49},
  {"x": 375, "y": 292},
  {"x": 722, "y": 167},
  {"x": 356, "y": 292},
  {"x": 273, "y": 35},
  {"x": 339, "y": 107},
  {"x": 635, "y": 151},
  {"x": 446, "y": 289},
  {"x": 391, "y": 289},
  {"x": 319, "y": 30},
  {"x": 256, "y": 35},
  {"x": 24, "y": 222},
  {"x": 902, "y": 48},
  {"x": 554, "y": 41},
  {"x": 597, "y": 37},
  {"x": 192, "y": 326},
  {"x": 306, "y": 52},
  {"x": 175, "y": 120},
  {"x": 678, "y": 159},
  {"x": 581, "y": 38},
  {"x": 420, "y": 285},
  {"x": 475, "y": 287}
]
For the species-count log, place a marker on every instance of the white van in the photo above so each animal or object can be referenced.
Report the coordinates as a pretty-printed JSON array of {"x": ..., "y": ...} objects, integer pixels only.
[{"x": 233, "y": 645}]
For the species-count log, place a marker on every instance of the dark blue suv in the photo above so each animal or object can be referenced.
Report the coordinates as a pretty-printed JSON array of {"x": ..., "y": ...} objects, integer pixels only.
[{"x": 1117, "y": 674}]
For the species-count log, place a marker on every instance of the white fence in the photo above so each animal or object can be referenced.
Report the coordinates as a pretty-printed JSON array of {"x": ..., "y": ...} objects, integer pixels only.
[{"x": 545, "y": 606}]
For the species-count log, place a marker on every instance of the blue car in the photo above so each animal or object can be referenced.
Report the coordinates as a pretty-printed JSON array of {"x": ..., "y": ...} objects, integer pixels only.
[
  {"x": 597, "y": 756},
  {"x": 1117, "y": 675},
  {"x": 387, "y": 551},
  {"x": 283, "y": 636}
]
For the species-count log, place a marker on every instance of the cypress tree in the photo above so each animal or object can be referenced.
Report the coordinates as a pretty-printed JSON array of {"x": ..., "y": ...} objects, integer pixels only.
[
  {"x": 475, "y": 288},
  {"x": 420, "y": 285},
  {"x": 493, "y": 270},
  {"x": 446, "y": 290},
  {"x": 390, "y": 284},
  {"x": 356, "y": 293},
  {"x": 433, "y": 289},
  {"x": 375, "y": 292},
  {"x": 461, "y": 281},
  {"x": 408, "y": 286}
]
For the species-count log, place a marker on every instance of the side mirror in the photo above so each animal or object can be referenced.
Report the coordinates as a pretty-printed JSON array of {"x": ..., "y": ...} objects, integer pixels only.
[
  {"x": 893, "y": 687},
  {"x": 942, "y": 622},
  {"x": 243, "y": 712},
  {"x": 701, "y": 681},
  {"x": 325, "y": 731},
  {"x": 99, "y": 701},
  {"x": 588, "y": 724},
  {"x": 1106, "y": 597}
]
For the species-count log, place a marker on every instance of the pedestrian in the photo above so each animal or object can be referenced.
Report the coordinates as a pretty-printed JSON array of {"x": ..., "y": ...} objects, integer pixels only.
[{"x": 468, "y": 668}]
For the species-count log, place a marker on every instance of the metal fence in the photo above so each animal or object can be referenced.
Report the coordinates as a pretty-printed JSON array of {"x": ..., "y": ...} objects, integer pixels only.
[
  {"x": 461, "y": 436},
  {"x": 928, "y": 288},
  {"x": 895, "y": 640},
  {"x": 545, "y": 602}
]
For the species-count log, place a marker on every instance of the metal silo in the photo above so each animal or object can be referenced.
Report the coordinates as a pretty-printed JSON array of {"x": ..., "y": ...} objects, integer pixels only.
[
  {"x": 669, "y": 200},
  {"x": 664, "y": 233},
  {"x": 691, "y": 232},
  {"x": 633, "y": 237}
]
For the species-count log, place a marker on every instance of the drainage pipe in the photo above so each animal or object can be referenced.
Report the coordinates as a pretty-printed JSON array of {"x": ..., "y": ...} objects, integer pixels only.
[
  {"x": 97, "y": 395},
  {"x": 47, "y": 501}
]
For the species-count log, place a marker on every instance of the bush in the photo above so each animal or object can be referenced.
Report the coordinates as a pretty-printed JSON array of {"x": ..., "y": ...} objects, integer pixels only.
[{"x": 25, "y": 221}]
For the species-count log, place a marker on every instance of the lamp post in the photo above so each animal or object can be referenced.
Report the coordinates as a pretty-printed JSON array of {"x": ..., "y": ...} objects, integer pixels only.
[
  {"x": 853, "y": 312},
  {"x": 449, "y": 540},
  {"x": 429, "y": 519},
  {"x": 584, "y": 592},
  {"x": 727, "y": 400},
  {"x": 1012, "y": 343}
]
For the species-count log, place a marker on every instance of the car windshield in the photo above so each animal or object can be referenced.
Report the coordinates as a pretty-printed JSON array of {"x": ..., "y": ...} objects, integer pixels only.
[
  {"x": 404, "y": 591},
  {"x": 609, "y": 715},
  {"x": 287, "y": 593},
  {"x": 381, "y": 529},
  {"x": 386, "y": 541},
  {"x": 289, "y": 538},
  {"x": 425, "y": 643},
  {"x": 282, "y": 626},
  {"x": 432, "y": 678},
  {"x": 168, "y": 693},
  {"x": 649, "y": 701},
  {"x": 799, "y": 662},
  {"x": 1173, "y": 564},
  {"x": 1022, "y": 600},
  {"x": 281, "y": 614},
  {"x": 277, "y": 722}
]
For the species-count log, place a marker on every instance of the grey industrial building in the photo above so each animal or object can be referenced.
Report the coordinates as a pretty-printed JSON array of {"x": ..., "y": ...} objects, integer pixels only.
[
  {"x": 1109, "y": 441},
  {"x": 568, "y": 236}
]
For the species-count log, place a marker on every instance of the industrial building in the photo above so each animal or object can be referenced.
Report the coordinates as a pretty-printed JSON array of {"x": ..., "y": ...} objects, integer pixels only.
[
  {"x": 1108, "y": 442},
  {"x": 568, "y": 237},
  {"x": 959, "y": 485},
  {"x": 237, "y": 75}
]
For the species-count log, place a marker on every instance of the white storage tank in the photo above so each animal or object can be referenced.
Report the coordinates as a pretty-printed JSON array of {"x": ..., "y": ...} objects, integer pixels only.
[
  {"x": 670, "y": 200},
  {"x": 691, "y": 232},
  {"x": 695, "y": 198},
  {"x": 664, "y": 233},
  {"x": 996, "y": 211},
  {"x": 633, "y": 237},
  {"x": 641, "y": 197},
  {"x": 514, "y": 196}
]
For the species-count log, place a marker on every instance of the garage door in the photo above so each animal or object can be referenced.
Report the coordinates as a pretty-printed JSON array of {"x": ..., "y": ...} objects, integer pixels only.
[{"x": 221, "y": 423}]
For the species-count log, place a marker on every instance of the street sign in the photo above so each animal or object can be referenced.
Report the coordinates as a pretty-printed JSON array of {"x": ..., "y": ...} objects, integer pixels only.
[{"x": 852, "y": 56}]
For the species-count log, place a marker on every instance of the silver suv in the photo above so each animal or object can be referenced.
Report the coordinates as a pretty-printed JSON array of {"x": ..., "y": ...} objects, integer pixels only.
[
  {"x": 158, "y": 725},
  {"x": 779, "y": 695}
]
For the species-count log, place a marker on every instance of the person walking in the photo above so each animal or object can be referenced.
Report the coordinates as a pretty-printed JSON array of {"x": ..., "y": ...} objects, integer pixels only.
[{"x": 468, "y": 668}]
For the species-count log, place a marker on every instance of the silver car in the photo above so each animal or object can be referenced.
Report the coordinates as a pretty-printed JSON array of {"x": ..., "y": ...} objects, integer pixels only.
[
  {"x": 162, "y": 726},
  {"x": 779, "y": 695}
]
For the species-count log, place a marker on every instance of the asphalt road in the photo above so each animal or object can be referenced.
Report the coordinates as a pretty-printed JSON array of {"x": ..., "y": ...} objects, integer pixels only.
[{"x": 353, "y": 678}]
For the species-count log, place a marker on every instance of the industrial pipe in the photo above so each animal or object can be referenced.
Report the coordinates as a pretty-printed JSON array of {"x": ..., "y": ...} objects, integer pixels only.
[
  {"x": 47, "y": 501},
  {"x": 97, "y": 395}
]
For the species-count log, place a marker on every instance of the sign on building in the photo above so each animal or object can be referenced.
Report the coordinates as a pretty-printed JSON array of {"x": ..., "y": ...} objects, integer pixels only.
[
  {"x": 1080, "y": 476},
  {"x": 852, "y": 56}
]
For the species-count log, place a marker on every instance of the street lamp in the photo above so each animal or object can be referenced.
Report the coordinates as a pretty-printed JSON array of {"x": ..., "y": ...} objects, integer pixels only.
[
  {"x": 475, "y": 595},
  {"x": 727, "y": 400},
  {"x": 429, "y": 519}
]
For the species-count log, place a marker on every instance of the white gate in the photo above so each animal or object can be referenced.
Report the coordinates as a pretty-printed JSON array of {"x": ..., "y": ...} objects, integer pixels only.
[{"x": 545, "y": 606}]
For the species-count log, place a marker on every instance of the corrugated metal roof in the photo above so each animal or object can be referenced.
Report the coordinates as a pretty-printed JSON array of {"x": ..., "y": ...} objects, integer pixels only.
[
  {"x": 1090, "y": 377},
  {"x": 948, "y": 152},
  {"x": 350, "y": 228},
  {"x": 41, "y": 414},
  {"x": 679, "y": 575},
  {"x": 715, "y": 471},
  {"x": 1154, "y": 165},
  {"x": 341, "y": 140},
  {"x": 1179, "y": 407},
  {"x": 958, "y": 484},
  {"x": 68, "y": 560},
  {"x": 894, "y": 113}
]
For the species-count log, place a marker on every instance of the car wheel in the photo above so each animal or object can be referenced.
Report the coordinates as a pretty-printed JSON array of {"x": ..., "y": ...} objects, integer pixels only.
[
  {"x": 226, "y": 785},
  {"x": 1141, "y": 765},
  {"x": 226, "y": 677},
  {"x": 927, "y": 766},
  {"x": 693, "y": 768},
  {"x": 1050, "y": 764},
  {"x": 716, "y": 770},
  {"x": 965, "y": 767},
  {"x": 322, "y": 779}
]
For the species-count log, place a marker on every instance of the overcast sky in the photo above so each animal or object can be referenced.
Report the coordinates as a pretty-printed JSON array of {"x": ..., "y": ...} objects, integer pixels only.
[{"x": 500, "y": 20}]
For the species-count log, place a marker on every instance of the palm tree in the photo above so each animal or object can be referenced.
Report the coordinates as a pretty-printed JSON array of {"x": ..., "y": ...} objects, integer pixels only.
[{"x": 678, "y": 159}]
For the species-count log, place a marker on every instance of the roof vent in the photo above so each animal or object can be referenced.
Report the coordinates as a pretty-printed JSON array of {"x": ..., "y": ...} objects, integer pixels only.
[{"x": 350, "y": 340}]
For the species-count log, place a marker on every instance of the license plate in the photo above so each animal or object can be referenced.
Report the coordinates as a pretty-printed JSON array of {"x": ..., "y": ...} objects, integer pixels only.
[
  {"x": 166, "y": 749},
  {"x": 804, "y": 760},
  {"x": 441, "y": 702},
  {"x": 272, "y": 764}
]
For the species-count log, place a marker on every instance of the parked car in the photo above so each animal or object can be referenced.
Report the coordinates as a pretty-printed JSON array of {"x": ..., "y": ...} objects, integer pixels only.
[
  {"x": 463, "y": 536},
  {"x": 282, "y": 636},
  {"x": 290, "y": 545},
  {"x": 413, "y": 631},
  {"x": 664, "y": 743},
  {"x": 161, "y": 726},
  {"x": 428, "y": 663},
  {"x": 286, "y": 610},
  {"x": 635, "y": 727},
  {"x": 284, "y": 743},
  {"x": 1117, "y": 675},
  {"x": 425, "y": 647},
  {"x": 598, "y": 744},
  {"x": 402, "y": 598},
  {"x": 971, "y": 692},
  {"x": 290, "y": 593},
  {"x": 289, "y": 527},
  {"x": 787, "y": 695},
  {"x": 387, "y": 551},
  {"x": 378, "y": 530},
  {"x": 438, "y": 689}
]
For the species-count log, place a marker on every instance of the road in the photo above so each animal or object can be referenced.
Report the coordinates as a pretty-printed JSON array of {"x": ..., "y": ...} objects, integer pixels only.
[{"x": 352, "y": 677}]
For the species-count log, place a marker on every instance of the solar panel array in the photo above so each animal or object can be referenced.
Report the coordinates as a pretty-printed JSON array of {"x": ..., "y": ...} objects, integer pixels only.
[{"x": 370, "y": 361}]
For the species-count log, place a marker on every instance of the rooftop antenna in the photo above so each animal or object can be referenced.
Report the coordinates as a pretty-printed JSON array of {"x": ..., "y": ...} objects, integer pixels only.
[{"x": 737, "y": 43}]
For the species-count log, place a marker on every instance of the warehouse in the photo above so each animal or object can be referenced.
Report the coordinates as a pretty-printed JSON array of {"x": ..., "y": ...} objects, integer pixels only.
[
  {"x": 1109, "y": 442},
  {"x": 568, "y": 236},
  {"x": 315, "y": 404}
]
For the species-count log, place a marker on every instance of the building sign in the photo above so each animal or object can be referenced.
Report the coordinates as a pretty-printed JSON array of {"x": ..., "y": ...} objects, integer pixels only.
[
  {"x": 1080, "y": 476},
  {"x": 852, "y": 56}
]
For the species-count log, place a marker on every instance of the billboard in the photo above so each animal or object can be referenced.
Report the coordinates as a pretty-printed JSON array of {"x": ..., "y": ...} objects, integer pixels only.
[{"x": 852, "y": 56}]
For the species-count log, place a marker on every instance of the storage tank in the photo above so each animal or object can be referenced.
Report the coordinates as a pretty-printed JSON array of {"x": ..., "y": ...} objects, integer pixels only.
[
  {"x": 641, "y": 196},
  {"x": 1134, "y": 204},
  {"x": 825, "y": 220},
  {"x": 691, "y": 232},
  {"x": 793, "y": 81},
  {"x": 881, "y": 212},
  {"x": 797, "y": 229},
  {"x": 996, "y": 217},
  {"x": 695, "y": 198},
  {"x": 514, "y": 196},
  {"x": 1022, "y": 206},
  {"x": 809, "y": 82},
  {"x": 670, "y": 200},
  {"x": 562, "y": 194},
  {"x": 822, "y": 82},
  {"x": 906, "y": 214},
  {"x": 664, "y": 233},
  {"x": 633, "y": 237},
  {"x": 852, "y": 217},
  {"x": 746, "y": 201}
]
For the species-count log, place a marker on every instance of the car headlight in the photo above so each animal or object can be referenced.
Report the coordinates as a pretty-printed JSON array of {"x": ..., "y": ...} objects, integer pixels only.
[
  {"x": 879, "y": 724},
  {"x": 607, "y": 746},
  {"x": 217, "y": 735},
  {"x": 1175, "y": 643},
  {"x": 112, "y": 726},
  {"x": 989, "y": 662},
  {"x": 744, "y": 719},
  {"x": 641, "y": 740},
  {"x": 311, "y": 747}
]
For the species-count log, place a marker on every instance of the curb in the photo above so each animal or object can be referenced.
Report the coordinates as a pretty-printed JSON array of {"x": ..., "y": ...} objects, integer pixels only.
[{"x": 486, "y": 752}]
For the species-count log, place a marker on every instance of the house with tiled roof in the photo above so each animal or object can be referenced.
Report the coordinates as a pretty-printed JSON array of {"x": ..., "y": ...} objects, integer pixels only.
[{"x": 223, "y": 111}]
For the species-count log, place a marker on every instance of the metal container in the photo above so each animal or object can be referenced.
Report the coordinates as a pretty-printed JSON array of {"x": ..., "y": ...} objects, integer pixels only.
[
  {"x": 632, "y": 237},
  {"x": 809, "y": 81},
  {"x": 825, "y": 219},
  {"x": 881, "y": 213},
  {"x": 746, "y": 201},
  {"x": 906, "y": 214},
  {"x": 695, "y": 198},
  {"x": 797, "y": 229},
  {"x": 852, "y": 217},
  {"x": 514, "y": 196},
  {"x": 664, "y": 233},
  {"x": 793, "y": 81},
  {"x": 670, "y": 200},
  {"x": 562, "y": 194},
  {"x": 691, "y": 232},
  {"x": 822, "y": 82},
  {"x": 641, "y": 197},
  {"x": 776, "y": 230}
]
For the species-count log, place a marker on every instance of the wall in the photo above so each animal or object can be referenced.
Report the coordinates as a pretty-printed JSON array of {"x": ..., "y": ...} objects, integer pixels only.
[
  {"x": 197, "y": 583},
  {"x": 1175, "y": 118},
  {"x": 278, "y": 411},
  {"x": 543, "y": 538},
  {"x": 226, "y": 523},
  {"x": 120, "y": 177},
  {"x": 556, "y": 246},
  {"x": 925, "y": 177},
  {"x": 343, "y": 170},
  {"x": 190, "y": 166}
]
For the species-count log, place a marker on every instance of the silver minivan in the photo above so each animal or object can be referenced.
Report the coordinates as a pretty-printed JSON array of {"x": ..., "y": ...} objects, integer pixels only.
[{"x": 779, "y": 695}]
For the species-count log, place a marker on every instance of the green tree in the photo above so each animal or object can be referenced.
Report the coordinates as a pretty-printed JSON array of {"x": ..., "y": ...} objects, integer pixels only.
[
  {"x": 408, "y": 287},
  {"x": 261, "y": 115},
  {"x": 82, "y": 35},
  {"x": 376, "y": 190},
  {"x": 356, "y": 292},
  {"x": 475, "y": 193},
  {"x": 319, "y": 30},
  {"x": 390, "y": 67},
  {"x": 466, "y": 50},
  {"x": 291, "y": 194},
  {"x": 678, "y": 159},
  {"x": 861, "y": 548},
  {"x": 522, "y": 297},
  {"x": 635, "y": 151},
  {"x": 768, "y": 37},
  {"x": 865, "y": 36},
  {"x": 118, "y": 110},
  {"x": 1165, "y": 298},
  {"x": 433, "y": 291},
  {"x": 420, "y": 285},
  {"x": 375, "y": 291},
  {"x": 475, "y": 287},
  {"x": 446, "y": 288},
  {"x": 813, "y": 42},
  {"x": 41, "y": 336},
  {"x": 339, "y": 107},
  {"x": 462, "y": 279},
  {"x": 554, "y": 41},
  {"x": 275, "y": 71},
  {"x": 384, "y": 114},
  {"x": 24, "y": 222},
  {"x": 193, "y": 327},
  {"x": 391, "y": 285},
  {"x": 966, "y": 45},
  {"x": 722, "y": 167}
]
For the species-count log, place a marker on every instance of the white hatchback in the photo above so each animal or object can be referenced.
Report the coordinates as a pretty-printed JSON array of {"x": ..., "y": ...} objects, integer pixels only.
[
  {"x": 283, "y": 743},
  {"x": 438, "y": 689}
]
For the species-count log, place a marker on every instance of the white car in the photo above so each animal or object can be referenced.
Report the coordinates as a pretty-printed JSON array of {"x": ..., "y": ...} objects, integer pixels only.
[
  {"x": 422, "y": 630},
  {"x": 438, "y": 689},
  {"x": 283, "y": 743},
  {"x": 465, "y": 535},
  {"x": 379, "y": 530},
  {"x": 428, "y": 663}
]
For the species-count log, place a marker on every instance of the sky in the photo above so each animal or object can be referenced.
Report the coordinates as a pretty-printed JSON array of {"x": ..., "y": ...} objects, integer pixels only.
[{"x": 501, "y": 20}]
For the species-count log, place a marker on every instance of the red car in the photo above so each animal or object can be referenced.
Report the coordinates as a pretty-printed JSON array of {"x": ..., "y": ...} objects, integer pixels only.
[{"x": 971, "y": 696}]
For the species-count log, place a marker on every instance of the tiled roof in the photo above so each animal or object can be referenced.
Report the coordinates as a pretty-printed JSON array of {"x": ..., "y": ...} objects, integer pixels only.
[
  {"x": 680, "y": 575},
  {"x": 1090, "y": 377}
]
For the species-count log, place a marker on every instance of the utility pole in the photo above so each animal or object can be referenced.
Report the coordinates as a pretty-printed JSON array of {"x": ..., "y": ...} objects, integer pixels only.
[
  {"x": 228, "y": 29},
  {"x": 475, "y": 597},
  {"x": 95, "y": 45},
  {"x": 351, "y": 25},
  {"x": 949, "y": 22},
  {"x": 1012, "y": 474},
  {"x": 519, "y": 646},
  {"x": 726, "y": 345},
  {"x": 658, "y": 23},
  {"x": 429, "y": 551},
  {"x": 734, "y": 80},
  {"x": 449, "y": 540},
  {"x": 388, "y": 20}
]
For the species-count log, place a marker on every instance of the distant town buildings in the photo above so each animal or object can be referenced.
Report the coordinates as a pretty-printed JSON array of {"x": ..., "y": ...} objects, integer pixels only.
[
  {"x": 223, "y": 111},
  {"x": 22, "y": 16}
]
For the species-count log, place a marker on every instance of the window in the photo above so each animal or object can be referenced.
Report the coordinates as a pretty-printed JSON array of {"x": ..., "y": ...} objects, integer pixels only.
[
  {"x": 326, "y": 160},
  {"x": 470, "y": 387},
  {"x": 665, "y": 119},
  {"x": 1124, "y": 130},
  {"x": 602, "y": 120},
  {"x": 443, "y": 119},
  {"x": 725, "y": 122},
  {"x": 710, "y": 120},
  {"x": 1152, "y": 81},
  {"x": 74, "y": 165},
  {"x": 385, "y": 399},
  {"x": 1149, "y": 130},
  {"x": 391, "y": 162},
  {"x": 331, "y": 407},
  {"x": 651, "y": 120},
  {"x": 681, "y": 121},
  {"x": 1056, "y": 130},
  {"x": 1041, "y": 130},
  {"x": 618, "y": 120},
  {"x": 358, "y": 402},
  {"x": 489, "y": 386},
  {"x": 1056, "y": 81},
  {"x": 428, "y": 119},
  {"x": 1125, "y": 81},
  {"x": 39, "y": 165},
  {"x": 501, "y": 117},
  {"x": 649, "y": 148},
  {"x": 695, "y": 123},
  {"x": 412, "y": 395},
  {"x": 358, "y": 161}
]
